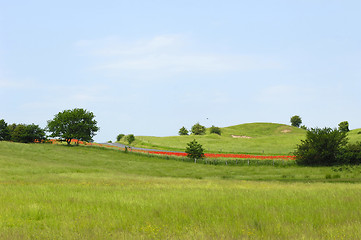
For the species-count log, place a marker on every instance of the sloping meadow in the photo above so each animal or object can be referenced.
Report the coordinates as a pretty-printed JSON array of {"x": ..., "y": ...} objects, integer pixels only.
[{"x": 57, "y": 192}]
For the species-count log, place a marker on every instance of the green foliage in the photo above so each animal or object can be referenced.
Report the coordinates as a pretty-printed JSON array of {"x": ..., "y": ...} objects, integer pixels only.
[
  {"x": 120, "y": 136},
  {"x": 296, "y": 121},
  {"x": 130, "y": 138},
  {"x": 194, "y": 150},
  {"x": 322, "y": 147},
  {"x": 4, "y": 131},
  {"x": 215, "y": 130},
  {"x": 27, "y": 133},
  {"x": 198, "y": 129},
  {"x": 351, "y": 154},
  {"x": 183, "y": 131},
  {"x": 343, "y": 126},
  {"x": 303, "y": 127},
  {"x": 73, "y": 124}
]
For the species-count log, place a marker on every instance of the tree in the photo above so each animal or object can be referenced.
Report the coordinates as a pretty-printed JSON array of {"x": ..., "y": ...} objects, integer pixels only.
[
  {"x": 194, "y": 150},
  {"x": 198, "y": 129},
  {"x": 27, "y": 133},
  {"x": 296, "y": 121},
  {"x": 120, "y": 136},
  {"x": 183, "y": 131},
  {"x": 73, "y": 124},
  {"x": 322, "y": 147},
  {"x": 130, "y": 138},
  {"x": 215, "y": 130},
  {"x": 343, "y": 126},
  {"x": 4, "y": 131}
]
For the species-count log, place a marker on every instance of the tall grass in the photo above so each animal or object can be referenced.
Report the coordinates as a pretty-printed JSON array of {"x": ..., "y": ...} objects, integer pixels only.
[{"x": 57, "y": 192}]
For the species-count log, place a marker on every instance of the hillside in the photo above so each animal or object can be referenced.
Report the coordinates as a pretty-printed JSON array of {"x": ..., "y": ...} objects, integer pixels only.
[
  {"x": 60, "y": 192},
  {"x": 257, "y": 138}
]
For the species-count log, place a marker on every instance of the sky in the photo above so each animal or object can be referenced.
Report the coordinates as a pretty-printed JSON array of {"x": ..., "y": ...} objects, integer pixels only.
[{"x": 150, "y": 67}]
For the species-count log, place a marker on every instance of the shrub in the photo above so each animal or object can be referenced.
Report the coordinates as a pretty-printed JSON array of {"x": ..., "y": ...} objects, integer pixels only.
[
  {"x": 120, "y": 136},
  {"x": 351, "y": 153},
  {"x": 343, "y": 126},
  {"x": 321, "y": 147},
  {"x": 194, "y": 150},
  {"x": 215, "y": 130},
  {"x": 183, "y": 131},
  {"x": 130, "y": 138},
  {"x": 198, "y": 129},
  {"x": 296, "y": 121}
]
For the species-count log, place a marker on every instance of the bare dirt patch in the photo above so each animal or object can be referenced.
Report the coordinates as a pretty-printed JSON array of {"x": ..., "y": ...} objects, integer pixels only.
[
  {"x": 236, "y": 136},
  {"x": 286, "y": 131}
]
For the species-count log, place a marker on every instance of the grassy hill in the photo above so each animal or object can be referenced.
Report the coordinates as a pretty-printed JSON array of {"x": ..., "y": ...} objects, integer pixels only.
[
  {"x": 254, "y": 138},
  {"x": 257, "y": 138},
  {"x": 59, "y": 192}
]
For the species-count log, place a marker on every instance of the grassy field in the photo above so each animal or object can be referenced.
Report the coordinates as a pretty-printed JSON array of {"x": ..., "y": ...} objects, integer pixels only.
[
  {"x": 255, "y": 138},
  {"x": 58, "y": 192}
]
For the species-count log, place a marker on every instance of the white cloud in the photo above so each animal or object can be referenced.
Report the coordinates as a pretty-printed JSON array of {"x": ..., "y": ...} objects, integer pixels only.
[{"x": 168, "y": 54}]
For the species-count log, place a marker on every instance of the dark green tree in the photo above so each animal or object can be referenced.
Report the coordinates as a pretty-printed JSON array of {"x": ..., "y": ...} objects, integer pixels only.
[
  {"x": 120, "y": 136},
  {"x": 215, "y": 130},
  {"x": 296, "y": 121},
  {"x": 27, "y": 133},
  {"x": 343, "y": 126},
  {"x": 183, "y": 131},
  {"x": 4, "y": 131},
  {"x": 198, "y": 129},
  {"x": 322, "y": 147},
  {"x": 130, "y": 138},
  {"x": 194, "y": 150},
  {"x": 73, "y": 124}
]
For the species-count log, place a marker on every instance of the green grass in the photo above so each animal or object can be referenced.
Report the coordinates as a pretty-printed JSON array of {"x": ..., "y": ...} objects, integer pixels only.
[
  {"x": 264, "y": 138},
  {"x": 58, "y": 192}
]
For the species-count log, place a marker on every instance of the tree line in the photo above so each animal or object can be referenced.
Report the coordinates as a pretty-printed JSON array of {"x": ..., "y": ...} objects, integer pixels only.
[{"x": 67, "y": 125}]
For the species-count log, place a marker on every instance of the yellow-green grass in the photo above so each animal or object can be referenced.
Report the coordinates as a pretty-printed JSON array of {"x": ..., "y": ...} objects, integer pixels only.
[
  {"x": 58, "y": 192},
  {"x": 255, "y": 138}
]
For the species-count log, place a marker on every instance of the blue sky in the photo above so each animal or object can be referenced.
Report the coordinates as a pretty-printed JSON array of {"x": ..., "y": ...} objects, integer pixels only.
[{"x": 151, "y": 67}]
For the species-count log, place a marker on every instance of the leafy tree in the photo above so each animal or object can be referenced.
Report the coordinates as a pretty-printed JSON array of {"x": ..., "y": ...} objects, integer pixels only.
[
  {"x": 198, "y": 129},
  {"x": 130, "y": 138},
  {"x": 343, "y": 126},
  {"x": 194, "y": 150},
  {"x": 321, "y": 147},
  {"x": 4, "y": 131},
  {"x": 183, "y": 131},
  {"x": 27, "y": 133},
  {"x": 120, "y": 136},
  {"x": 73, "y": 124},
  {"x": 215, "y": 130},
  {"x": 296, "y": 121}
]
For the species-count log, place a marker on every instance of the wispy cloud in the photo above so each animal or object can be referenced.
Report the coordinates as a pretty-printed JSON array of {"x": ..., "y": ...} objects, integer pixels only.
[{"x": 171, "y": 54}]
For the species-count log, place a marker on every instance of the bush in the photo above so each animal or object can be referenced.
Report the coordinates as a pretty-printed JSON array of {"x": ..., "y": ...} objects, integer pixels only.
[
  {"x": 130, "y": 138},
  {"x": 194, "y": 150},
  {"x": 198, "y": 129},
  {"x": 322, "y": 147},
  {"x": 296, "y": 121},
  {"x": 351, "y": 153},
  {"x": 183, "y": 131},
  {"x": 215, "y": 130},
  {"x": 120, "y": 136}
]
